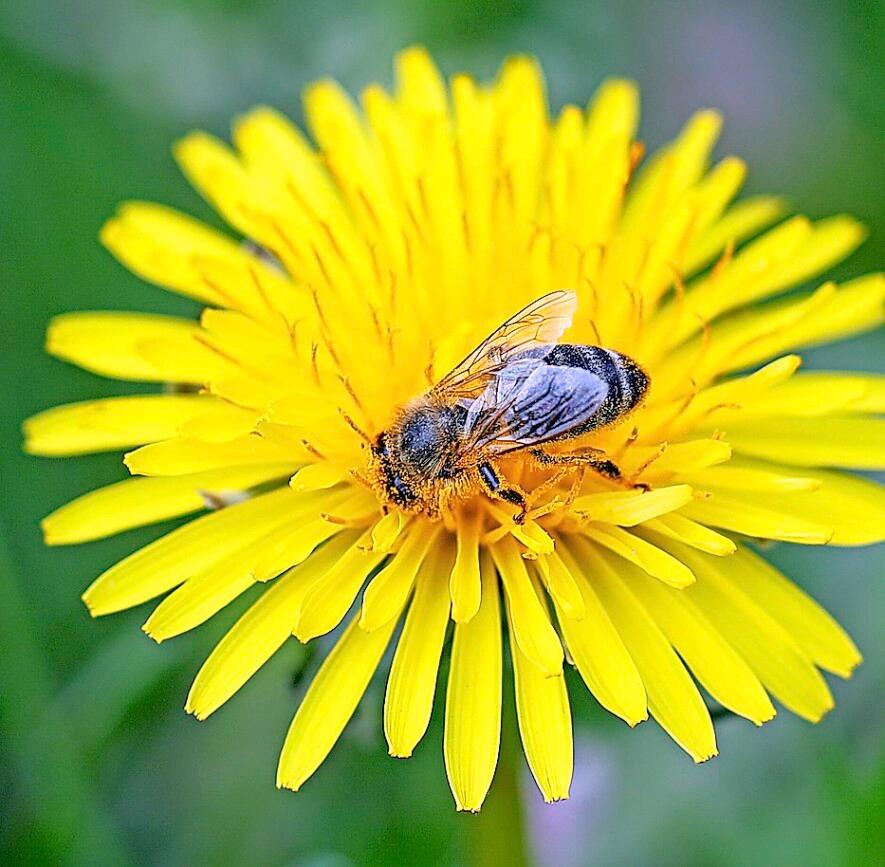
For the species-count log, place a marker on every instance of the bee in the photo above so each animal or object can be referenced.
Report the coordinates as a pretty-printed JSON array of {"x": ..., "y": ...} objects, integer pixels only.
[{"x": 518, "y": 391}]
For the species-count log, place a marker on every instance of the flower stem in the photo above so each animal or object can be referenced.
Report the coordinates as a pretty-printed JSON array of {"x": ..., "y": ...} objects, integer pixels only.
[{"x": 497, "y": 834}]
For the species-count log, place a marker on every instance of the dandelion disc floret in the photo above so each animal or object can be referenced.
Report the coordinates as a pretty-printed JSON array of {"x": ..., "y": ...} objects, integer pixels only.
[{"x": 362, "y": 264}]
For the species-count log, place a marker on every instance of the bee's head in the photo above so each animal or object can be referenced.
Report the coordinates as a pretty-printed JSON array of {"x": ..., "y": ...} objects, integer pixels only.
[{"x": 386, "y": 475}]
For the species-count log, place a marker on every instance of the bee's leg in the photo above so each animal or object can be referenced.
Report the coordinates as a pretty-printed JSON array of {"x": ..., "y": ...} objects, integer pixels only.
[
  {"x": 575, "y": 488},
  {"x": 537, "y": 493},
  {"x": 558, "y": 502},
  {"x": 508, "y": 493},
  {"x": 603, "y": 466}
]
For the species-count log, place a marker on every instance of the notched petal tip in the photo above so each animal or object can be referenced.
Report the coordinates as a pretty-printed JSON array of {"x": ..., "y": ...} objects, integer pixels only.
[
  {"x": 151, "y": 631},
  {"x": 89, "y": 602},
  {"x": 396, "y": 753},
  {"x": 47, "y": 533},
  {"x": 703, "y": 758},
  {"x": 283, "y": 784},
  {"x": 555, "y": 799},
  {"x": 763, "y": 720}
]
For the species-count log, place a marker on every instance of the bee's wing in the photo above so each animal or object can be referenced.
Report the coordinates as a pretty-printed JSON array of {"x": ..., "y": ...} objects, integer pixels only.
[
  {"x": 541, "y": 322},
  {"x": 534, "y": 409}
]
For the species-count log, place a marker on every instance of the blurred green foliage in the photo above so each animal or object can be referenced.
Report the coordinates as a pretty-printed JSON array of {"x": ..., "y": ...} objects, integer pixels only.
[{"x": 98, "y": 762}]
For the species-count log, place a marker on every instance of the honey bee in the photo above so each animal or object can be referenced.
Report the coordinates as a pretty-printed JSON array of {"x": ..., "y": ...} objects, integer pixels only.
[{"x": 519, "y": 390}]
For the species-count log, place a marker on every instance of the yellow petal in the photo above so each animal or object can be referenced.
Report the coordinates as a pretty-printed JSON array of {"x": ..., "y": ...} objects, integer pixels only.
[
  {"x": 783, "y": 257},
  {"x": 712, "y": 194},
  {"x": 109, "y": 424},
  {"x": 200, "y": 597},
  {"x": 673, "y": 170},
  {"x": 629, "y": 508},
  {"x": 614, "y": 109},
  {"x": 852, "y": 508},
  {"x": 203, "y": 595},
  {"x": 758, "y": 515},
  {"x": 175, "y": 457},
  {"x": 741, "y": 221},
  {"x": 595, "y": 645},
  {"x": 465, "y": 583},
  {"x": 220, "y": 422},
  {"x": 315, "y": 477},
  {"x": 676, "y": 457},
  {"x": 412, "y": 682},
  {"x": 330, "y": 702},
  {"x": 813, "y": 629},
  {"x": 806, "y": 319},
  {"x": 645, "y": 555},
  {"x": 185, "y": 552},
  {"x": 265, "y": 350},
  {"x": 873, "y": 398},
  {"x": 809, "y": 442},
  {"x": 333, "y": 593},
  {"x": 387, "y": 530},
  {"x": 118, "y": 345},
  {"x": 160, "y": 245},
  {"x": 295, "y": 546},
  {"x": 275, "y": 148},
  {"x": 388, "y": 590},
  {"x": 603, "y": 163},
  {"x": 420, "y": 87},
  {"x": 244, "y": 281},
  {"x": 530, "y": 533},
  {"x": 680, "y": 416},
  {"x": 714, "y": 662},
  {"x": 532, "y": 629},
  {"x": 218, "y": 176},
  {"x": 259, "y": 633},
  {"x": 136, "y": 502},
  {"x": 545, "y": 725},
  {"x": 814, "y": 393},
  {"x": 673, "y": 699},
  {"x": 832, "y": 240},
  {"x": 692, "y": 533},
  {"x": 533, "y": 536},
  {"x": 768, "y": 649},
  {"x": 561, "y": 584},
  {"x": 737, "y": 475},
  {"x": 473, "y": 699}
]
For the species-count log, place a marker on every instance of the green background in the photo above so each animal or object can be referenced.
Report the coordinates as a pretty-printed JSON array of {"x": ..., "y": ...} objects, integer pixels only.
[{"x": 98, "y": 761}]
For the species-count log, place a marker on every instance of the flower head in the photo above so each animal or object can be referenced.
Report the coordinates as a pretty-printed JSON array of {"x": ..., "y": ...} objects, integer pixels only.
[{"x": 361, "y": 267}]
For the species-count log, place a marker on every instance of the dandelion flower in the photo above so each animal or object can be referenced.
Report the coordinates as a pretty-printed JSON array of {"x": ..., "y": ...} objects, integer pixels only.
[{"x": 361, "y": 265}]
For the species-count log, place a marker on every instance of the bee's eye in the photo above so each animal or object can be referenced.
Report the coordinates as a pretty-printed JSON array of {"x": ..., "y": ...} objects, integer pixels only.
[
  {"x": 380, "y": 447},
  {"x": 403, "y": 491}
]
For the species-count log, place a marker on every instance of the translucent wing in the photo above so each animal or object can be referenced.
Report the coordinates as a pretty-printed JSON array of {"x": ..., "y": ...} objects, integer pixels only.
[
  {"x": 540, "y": 323},
  {"x": 523, "y": 410}
]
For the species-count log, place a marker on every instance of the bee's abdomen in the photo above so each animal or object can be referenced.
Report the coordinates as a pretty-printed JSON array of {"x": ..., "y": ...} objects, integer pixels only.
[{"x": 626, "y": 380}]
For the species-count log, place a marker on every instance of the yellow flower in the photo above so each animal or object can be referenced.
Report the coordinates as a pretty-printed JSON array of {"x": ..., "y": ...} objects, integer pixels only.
[{"x": 374, "y": 260}]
